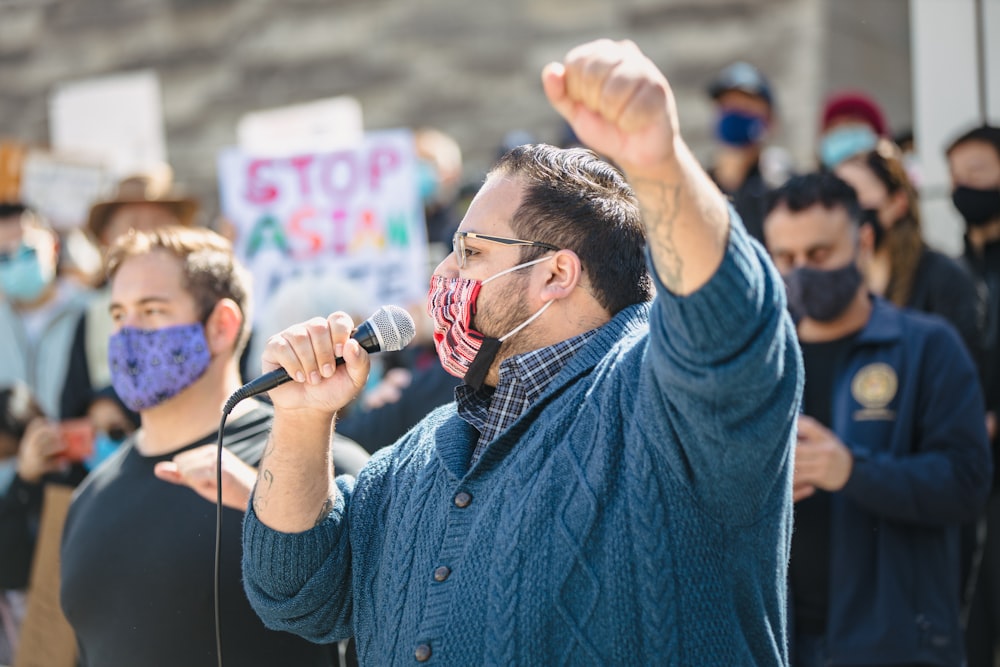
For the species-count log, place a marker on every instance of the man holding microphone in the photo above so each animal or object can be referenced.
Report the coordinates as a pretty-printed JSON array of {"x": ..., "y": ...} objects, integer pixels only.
[{"x": 613, "y": 483}]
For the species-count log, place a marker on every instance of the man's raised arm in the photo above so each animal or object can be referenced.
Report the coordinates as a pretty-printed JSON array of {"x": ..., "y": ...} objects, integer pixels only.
[{"x": 621, "y": 105}]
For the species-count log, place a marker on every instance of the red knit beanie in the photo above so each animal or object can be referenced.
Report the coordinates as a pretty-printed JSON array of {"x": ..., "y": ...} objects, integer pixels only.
[{"x": 855, "y": 104}]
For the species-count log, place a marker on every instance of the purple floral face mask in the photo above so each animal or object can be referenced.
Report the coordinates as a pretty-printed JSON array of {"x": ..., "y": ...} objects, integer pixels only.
[{"x": 150, "y": 366}]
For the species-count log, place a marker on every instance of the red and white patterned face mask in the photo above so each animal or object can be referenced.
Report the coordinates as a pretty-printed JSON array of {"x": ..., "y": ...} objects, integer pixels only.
[{"x": 463, "y": 351}]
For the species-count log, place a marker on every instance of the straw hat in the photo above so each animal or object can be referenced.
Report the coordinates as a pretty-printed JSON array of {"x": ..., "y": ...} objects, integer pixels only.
[{"x": 151, "y": 186}]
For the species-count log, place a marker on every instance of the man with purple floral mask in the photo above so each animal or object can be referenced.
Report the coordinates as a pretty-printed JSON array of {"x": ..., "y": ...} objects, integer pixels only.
[
  {"x": 138, "y": 543},
  {"x": 892, "y": 453},
  {"x": 612, "y": 485}
]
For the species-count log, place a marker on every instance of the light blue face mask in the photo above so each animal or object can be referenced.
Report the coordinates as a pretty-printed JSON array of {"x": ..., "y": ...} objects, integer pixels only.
[
  {"x": 104, "y": 447},
  {"x": 427, "y": 181},
  {"x": 21, "y": 275},
  {"x": 846, "y": 142},
  {"x": 8, "y": 470}
]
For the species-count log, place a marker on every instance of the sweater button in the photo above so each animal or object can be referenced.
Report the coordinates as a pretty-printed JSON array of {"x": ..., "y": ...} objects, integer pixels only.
[
  {"x": 462, "y": 499},
  {"x": 442, "y": 573},
  {"x": 423, "y": 653}
]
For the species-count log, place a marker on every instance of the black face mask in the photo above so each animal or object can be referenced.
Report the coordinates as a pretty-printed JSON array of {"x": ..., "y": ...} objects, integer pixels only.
[
  {"x": 978, "y": 207},
  {"x": 819, "y": 294},
  {"x": 869, "y": 216}
]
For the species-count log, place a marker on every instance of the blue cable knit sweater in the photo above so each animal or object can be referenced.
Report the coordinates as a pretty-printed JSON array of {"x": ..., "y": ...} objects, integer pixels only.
[{"x": 638, "y": 514}]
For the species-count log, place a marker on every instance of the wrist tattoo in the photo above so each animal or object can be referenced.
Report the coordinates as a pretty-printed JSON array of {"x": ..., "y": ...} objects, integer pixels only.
[
  {"x": 267, "y": 477},
  {"x": 324, "y": 511}
]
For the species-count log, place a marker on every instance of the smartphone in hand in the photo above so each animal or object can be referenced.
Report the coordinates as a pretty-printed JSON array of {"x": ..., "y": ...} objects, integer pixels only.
[{"x": 77, "y": 437}]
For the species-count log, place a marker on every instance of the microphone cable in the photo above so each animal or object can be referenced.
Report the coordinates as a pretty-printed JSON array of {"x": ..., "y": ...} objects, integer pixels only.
[{"x": 218, "y": 530}]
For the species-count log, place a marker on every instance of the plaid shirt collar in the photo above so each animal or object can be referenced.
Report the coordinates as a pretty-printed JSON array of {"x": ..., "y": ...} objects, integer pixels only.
[{"x": 523, "y": 379}]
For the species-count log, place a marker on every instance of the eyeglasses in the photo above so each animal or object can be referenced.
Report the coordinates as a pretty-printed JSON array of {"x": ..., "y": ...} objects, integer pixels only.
[
  {"x": 23, "y": 251},
  {"x": 458, "y": 244}
]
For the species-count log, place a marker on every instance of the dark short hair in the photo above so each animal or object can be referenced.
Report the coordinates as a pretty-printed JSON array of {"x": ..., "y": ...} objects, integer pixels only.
[
  {"x": 12, "y": 209},
  {"x": 575, "y": 200},
  {"x": 822, "y": 188},
  {"x": 211, "y": 271},
  {"x": 986, "y": 134},
  {"x": 18, "y": 408}
]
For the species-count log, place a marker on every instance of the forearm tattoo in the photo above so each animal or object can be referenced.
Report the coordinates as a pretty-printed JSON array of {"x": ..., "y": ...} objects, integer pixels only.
[
  {"x": 265, "y": 479},
  {"x": 660, "y": 220}
]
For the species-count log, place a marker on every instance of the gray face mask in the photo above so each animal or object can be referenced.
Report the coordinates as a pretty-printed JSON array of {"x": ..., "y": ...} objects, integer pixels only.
[{"x": 821, "y": 294}]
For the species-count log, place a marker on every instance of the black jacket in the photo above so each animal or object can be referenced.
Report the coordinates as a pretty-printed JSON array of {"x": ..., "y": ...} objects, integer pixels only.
[{"x": 945, "y": 286}]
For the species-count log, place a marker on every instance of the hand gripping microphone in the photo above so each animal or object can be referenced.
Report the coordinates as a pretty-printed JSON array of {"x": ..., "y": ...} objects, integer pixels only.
[{"x": 390, "y": 329}]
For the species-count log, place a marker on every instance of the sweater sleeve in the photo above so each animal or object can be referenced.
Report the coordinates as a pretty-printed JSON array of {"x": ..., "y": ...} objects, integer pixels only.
[
  {"x": 946, "y": 479},
  {"x": 301, "y": 582},
  {"x": 726, "y": 377}
]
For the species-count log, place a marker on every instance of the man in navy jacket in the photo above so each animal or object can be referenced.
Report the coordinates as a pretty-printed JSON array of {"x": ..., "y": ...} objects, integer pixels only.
[{"x": 892, "y": 452}]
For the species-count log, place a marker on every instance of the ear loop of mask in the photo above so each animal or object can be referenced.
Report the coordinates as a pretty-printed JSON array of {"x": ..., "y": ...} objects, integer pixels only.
[
  {"x": 490, "y": 347},
  {"x": 540, "y": 310},
  {"x": 518, "y": 268},
  {"x": 526, "y": 322}
]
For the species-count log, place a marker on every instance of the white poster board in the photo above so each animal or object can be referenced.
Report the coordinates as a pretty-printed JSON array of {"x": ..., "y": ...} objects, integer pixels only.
[
  {"x": 115, "y": 119},
  {"x": 62, "y": 189},
  {"x": 313, "y": 127},
  {"x": 354, "y": 212}
]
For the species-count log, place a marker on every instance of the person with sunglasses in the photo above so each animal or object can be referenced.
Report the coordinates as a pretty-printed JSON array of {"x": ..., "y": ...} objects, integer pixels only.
[{"x": 612, "y": 484}]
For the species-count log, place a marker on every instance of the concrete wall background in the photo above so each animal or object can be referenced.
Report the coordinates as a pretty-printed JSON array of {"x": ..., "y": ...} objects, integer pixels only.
[
  {"x": 868, "y": 48},
  {"x": 468, "y": 67}
]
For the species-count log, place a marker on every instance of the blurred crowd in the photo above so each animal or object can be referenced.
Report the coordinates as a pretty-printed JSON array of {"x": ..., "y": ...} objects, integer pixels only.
[{"x": 64, "y": 418}]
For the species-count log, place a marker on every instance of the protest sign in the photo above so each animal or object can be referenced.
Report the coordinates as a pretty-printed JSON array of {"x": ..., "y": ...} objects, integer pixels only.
[
  {"x": 11, "y": 158},
  {"x": 117, "y": 119},
  {"x": 62, "y": 189},
  {"x": 47, "y": 640},
  {"x": 318, "y": 126},
  {"x": 354, "y": 211}
]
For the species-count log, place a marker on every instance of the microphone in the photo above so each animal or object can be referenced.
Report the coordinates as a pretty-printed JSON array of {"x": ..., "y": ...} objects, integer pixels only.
[{"x": 389, "y": 329}]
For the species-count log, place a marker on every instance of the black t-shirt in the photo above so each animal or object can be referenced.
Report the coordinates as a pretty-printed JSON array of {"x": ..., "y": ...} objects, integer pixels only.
[
  {"x": 20, "y": 515},
  {"x": 137, "y": 568},
  {"x": 809, "y": 567}
]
